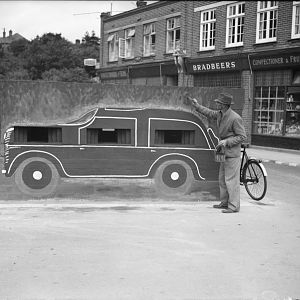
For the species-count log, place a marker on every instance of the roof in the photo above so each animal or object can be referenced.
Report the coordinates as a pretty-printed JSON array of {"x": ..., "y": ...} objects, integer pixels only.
[{"x": 12, "y": 38}]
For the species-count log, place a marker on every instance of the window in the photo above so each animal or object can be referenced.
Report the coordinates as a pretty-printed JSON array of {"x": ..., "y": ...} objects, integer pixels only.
[
  {"x": 173, "y": 34},
  {"x": 235, "y": 25},
  {"x": 126, "y": 46},
  {"x": 179, "y": 137},
  {"x": 296, "y": 20},
  {"x": 269, "y": 110},
  {"x": 208, "y": 30},
  {"x": 229, "y": 79},
  {"x": 266, "y": 28},
  {"x": 113, "y": 49},
  {"x": 109, "y": 136},
  {"x": 149, "y": 39}
]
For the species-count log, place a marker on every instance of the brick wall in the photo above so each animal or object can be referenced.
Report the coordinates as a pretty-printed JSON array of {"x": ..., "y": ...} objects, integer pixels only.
[
  {"x": 136, "y": 20},
  {"x": 247, "y": 85}
]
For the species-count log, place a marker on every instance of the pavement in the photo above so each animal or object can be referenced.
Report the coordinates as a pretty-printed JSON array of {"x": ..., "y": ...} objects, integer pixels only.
[{"x": 279, "y": 156}]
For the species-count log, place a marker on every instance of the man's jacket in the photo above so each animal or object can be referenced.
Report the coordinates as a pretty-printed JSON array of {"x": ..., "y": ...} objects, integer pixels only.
[{"x": 230, "y": 126}]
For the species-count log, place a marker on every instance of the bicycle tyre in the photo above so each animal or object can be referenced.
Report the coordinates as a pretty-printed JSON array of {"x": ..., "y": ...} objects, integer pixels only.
[{"x": 254, "y": 180}]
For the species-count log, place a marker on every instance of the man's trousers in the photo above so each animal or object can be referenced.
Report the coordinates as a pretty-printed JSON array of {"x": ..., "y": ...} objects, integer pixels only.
[{"x": 229, "y": 182}]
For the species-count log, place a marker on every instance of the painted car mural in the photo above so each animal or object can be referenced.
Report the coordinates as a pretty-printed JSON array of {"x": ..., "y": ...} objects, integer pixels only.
[{"x": 171, "y": 146}]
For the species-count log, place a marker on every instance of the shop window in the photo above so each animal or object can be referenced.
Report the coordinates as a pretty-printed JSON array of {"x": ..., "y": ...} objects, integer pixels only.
[
  {"x": 292, "y": 127},
  {"x": 269, "y": 103},
  {"x": 173, "y": 34},
  {"x": 171, "y": 137},
  {"x": 296, "y": 20},
  {"x": 229, "y": 79},
  {"x": 267, "y": 18},
  {"x": 235, "y": 25},
  {"x": 149, "y": 39},
  {"x": 109, "y": 136},
  {"x": 208, "y": 30}
]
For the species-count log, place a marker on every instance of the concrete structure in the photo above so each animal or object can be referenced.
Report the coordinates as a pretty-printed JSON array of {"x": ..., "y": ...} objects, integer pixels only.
[{"x": 253, "y": 45}]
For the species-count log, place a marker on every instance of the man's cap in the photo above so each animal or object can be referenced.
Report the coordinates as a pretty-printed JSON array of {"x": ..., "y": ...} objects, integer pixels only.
[{"x": 224, "y": 99}]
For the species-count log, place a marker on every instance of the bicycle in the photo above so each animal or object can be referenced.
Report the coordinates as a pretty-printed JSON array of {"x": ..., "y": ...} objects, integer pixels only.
[{"x": 253, "y": 175}]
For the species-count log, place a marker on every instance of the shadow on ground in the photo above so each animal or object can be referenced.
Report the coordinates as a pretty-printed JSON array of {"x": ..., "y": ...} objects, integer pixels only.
[{"x": 112, "y": 189}]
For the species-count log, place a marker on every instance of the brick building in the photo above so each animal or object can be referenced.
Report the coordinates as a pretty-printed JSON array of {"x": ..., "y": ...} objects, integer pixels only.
[{"x": 254, "y": 45}]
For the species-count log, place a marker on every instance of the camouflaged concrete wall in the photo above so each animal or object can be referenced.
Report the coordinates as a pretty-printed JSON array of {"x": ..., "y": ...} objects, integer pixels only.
[{"x": 28, "y": 102}]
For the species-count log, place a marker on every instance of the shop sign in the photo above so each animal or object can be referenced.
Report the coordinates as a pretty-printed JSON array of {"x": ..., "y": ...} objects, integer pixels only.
[
  {"x": 114, "y": 74},
  {"x": 275, "y": 61},
  {"x": 213, "y": 66}
]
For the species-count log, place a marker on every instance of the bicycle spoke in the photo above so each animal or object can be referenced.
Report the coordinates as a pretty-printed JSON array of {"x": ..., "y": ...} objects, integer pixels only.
[{"x": 254, "y": 180}]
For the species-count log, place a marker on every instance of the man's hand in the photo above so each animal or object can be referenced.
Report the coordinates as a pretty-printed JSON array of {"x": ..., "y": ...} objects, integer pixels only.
[
  {"x": 222, "y": 144},
  {"x": 191, "y": 101}
]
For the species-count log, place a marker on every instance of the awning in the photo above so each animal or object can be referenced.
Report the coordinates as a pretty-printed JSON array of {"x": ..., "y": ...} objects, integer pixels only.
[
  {"x": 131, "y": 33},
  {"x": 110, "y": 38}
]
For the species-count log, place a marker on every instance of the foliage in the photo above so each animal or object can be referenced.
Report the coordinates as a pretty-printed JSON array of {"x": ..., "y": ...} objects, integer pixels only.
[
  {"x": 69, "y": 75},
  {"x": 49, "y": 57},
  {"x": 18, "y": 47},
  {"x": 91, "y": 40}
]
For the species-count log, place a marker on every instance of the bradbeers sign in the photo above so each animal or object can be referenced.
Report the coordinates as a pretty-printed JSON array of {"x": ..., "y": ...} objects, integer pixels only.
[{"x": 214, "y": 65}]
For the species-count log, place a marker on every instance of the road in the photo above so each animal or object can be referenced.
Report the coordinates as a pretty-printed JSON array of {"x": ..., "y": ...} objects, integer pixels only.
[{"x": 124, "y": 242}]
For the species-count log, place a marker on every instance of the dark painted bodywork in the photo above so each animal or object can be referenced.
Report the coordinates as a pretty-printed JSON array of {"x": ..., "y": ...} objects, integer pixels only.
[{"x": 74, "y": 157}]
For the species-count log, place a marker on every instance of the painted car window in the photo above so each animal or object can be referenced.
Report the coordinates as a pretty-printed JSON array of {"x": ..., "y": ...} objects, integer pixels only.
[
  {"x": 37, "y": 135},
  {"x": 166, "y": 131},
  {"x": 174, "y": 137},
  {"x": 109, "y": 136}
]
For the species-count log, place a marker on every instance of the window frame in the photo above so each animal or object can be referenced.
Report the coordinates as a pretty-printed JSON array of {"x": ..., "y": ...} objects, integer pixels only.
[
  {"x": 148, "y": 39},
  {"x": 172, "y": 33},
  {"x": 113, "y": 43},
  {"x": 211, "y": 32},
  {"x": 127, "y": 43},
  {"x": 296, "y": 9},
  {"x": 260, "y": 12},
  {"x": 235, "y": 18}
]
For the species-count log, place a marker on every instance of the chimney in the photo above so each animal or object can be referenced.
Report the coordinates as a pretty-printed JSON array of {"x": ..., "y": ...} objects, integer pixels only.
[
  {"x": 4, "y": 33},
  {"x": 10, "y": 33},
  {"x": 105, "y": 15},
  {"x": 140, "y": 3}
]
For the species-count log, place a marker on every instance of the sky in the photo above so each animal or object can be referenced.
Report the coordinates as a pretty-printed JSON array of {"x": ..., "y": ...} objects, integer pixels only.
[{"x": 70, "y": 18}]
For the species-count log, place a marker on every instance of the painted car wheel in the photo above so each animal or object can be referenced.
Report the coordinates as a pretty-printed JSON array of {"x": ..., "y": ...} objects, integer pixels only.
[
  {"x": 37, "y": 177},
  {"x": 174, "y": 177}
]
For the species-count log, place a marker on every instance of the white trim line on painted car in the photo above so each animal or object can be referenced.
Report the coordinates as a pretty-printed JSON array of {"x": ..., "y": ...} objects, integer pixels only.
[{"x": 105, "y": 176}]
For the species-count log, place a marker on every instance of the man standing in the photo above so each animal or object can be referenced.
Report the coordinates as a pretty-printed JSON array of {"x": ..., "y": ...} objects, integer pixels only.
[{"x": 232, "y": 134}]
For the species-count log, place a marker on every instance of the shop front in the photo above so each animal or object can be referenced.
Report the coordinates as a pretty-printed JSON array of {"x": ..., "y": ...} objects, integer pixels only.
[
  {"x": 157, "y": 74},
  {"x": 221, "y": 71},
  {"x": 276, "y": 104}
]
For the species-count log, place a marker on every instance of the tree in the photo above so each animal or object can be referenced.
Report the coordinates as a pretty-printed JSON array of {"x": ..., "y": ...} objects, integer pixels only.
[
  {"x": 48, "y": 52},
  {"x": 18, "y": 47},
  {"x": 49, "y": 57},
  {"x": 91, "y": 40}
]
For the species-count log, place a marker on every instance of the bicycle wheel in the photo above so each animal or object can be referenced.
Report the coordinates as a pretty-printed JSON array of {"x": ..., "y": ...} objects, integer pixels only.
[{"x": 254, "y": 180}]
